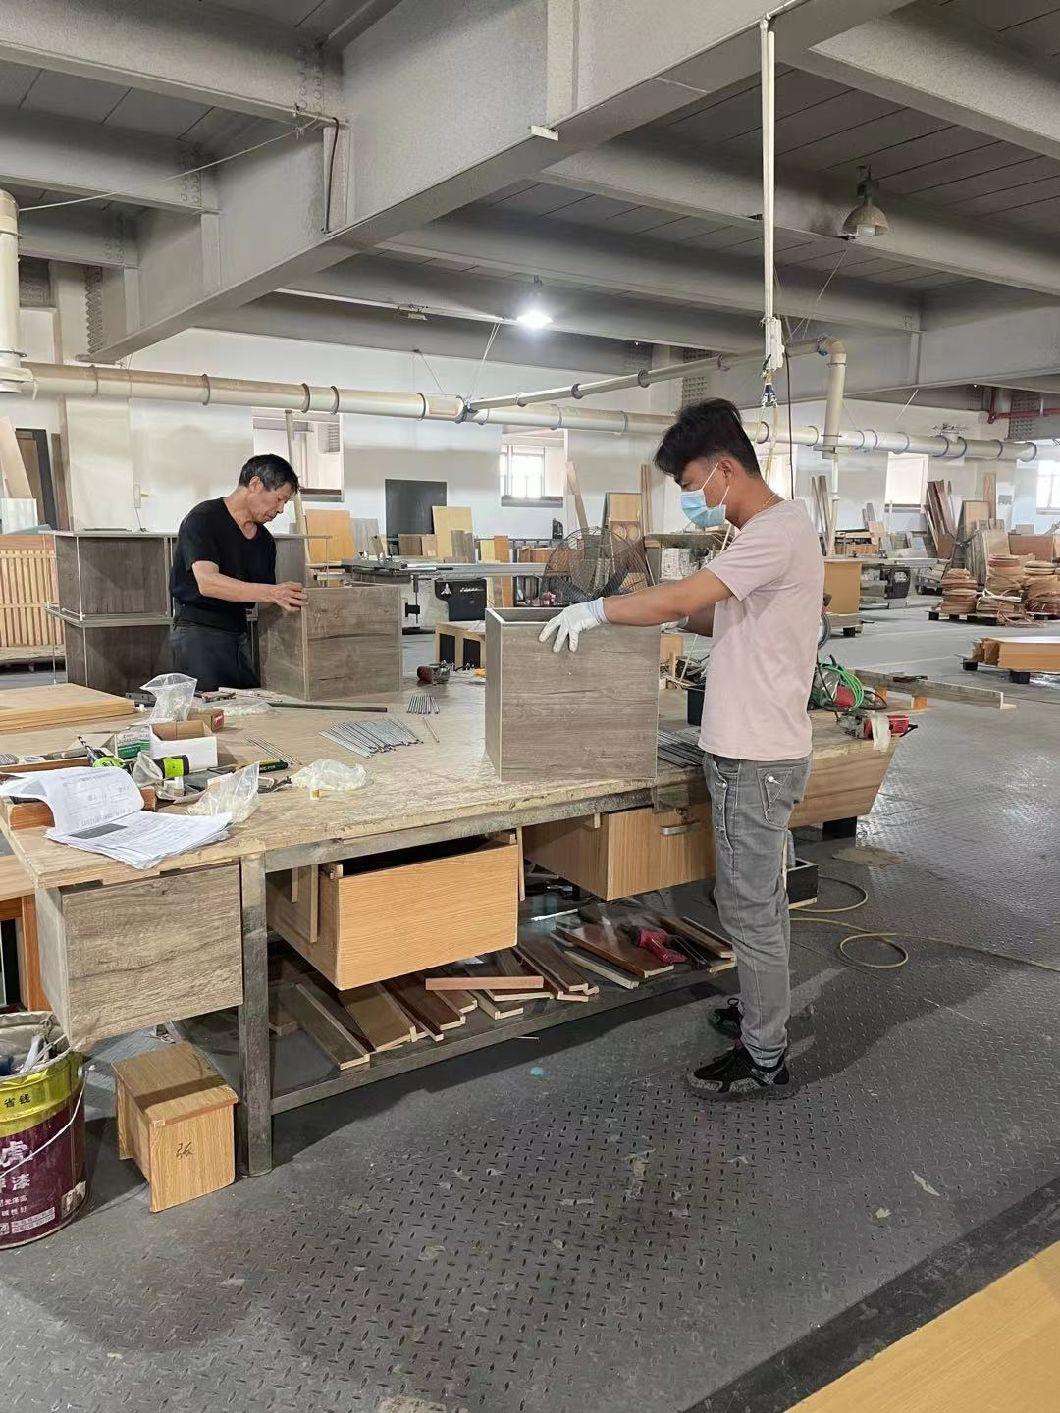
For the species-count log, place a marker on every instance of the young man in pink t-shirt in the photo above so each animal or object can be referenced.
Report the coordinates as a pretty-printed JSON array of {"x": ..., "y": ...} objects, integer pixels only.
[{"x": 761, "y": 599}]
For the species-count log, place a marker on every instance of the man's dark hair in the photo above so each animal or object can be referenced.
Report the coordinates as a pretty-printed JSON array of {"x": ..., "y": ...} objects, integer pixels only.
[
  {"x": 710, "y": 428},
  {"x": 271, "y": 470}
]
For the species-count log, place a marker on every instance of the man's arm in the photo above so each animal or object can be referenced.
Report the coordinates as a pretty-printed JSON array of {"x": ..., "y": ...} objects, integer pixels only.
[
  {"x": 692, "y": 598},
  {"x": 215, "y": 585}
]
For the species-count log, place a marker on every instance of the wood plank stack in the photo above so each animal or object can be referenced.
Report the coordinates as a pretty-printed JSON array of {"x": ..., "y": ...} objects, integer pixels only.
[
  {"x": 63, "y": 704},
  {"x": 960, "y": 592},
  {"x": 939, "y": 507},
  {"x": 27, "y": 583},
  {"x": 1030, "y": 654},
  {"x": 1041, "y": 587}
]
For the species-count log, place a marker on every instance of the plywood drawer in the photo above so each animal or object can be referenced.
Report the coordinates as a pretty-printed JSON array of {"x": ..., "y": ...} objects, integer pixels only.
[
  {"x": 377, "y": 918},
  {"x": 114, "y": 959},
  {"x": 629, "y": 852}
]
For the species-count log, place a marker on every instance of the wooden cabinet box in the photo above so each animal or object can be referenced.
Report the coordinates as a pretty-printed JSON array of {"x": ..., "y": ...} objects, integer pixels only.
[
  {"x": 588, "y": 715},
  {"x": 175, "y": 1122},
  {"x": 346, "y": 642},
  {"x": 632, "y": 851},
  {"x": 110, "y": 573},
  {"x": 371, "y": 919},
  {"x": 114, "y": 959},
  {"x": 115, "y": 659}
]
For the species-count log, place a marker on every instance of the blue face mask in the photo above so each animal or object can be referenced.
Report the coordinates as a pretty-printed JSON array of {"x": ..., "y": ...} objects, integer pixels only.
[{"x": 694, "y": 506}]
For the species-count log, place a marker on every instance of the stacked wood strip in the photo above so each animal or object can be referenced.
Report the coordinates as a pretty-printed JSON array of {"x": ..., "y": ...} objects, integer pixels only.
[
  {"x": 1041, "y": 587},
  {"x": 27, "y": 584},
  {"x": 960, "y": 592},
  {"x": 939, "y": 510}
]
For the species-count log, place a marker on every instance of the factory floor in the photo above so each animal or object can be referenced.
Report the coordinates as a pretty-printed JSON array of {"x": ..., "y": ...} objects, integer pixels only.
[{"x": 557, "y": 1223}]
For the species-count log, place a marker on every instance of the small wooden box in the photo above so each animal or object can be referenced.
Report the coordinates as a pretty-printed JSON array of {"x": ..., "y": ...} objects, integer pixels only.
[
  {"x": 632, "y": 851},
  {"x": 100, "y": 572},
  {"x": 117, "y": 958},
  {"x": 588, "y": 715},
  {"x": 175, "y": 1122},
  {"x": 417, "y": 909},
  {"x": 346, "y": 642}
]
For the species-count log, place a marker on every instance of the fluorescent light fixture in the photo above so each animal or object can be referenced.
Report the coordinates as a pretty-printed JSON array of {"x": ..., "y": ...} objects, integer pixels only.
[
  {"x": 866, "y": 220},
  {"x": 533, "y": 314}
]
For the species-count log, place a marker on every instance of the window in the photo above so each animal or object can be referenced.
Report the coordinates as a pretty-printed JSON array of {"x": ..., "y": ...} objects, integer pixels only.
[
  {"x": 906, "y": 478},
  {"x": 315, "y": 449},
  {"x": 531, "y": 470},
  {"x": 1048, "y": 487}
]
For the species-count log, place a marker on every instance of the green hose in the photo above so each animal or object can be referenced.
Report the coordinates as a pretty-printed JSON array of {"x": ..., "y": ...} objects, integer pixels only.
[{"x": 833, "y": 677}]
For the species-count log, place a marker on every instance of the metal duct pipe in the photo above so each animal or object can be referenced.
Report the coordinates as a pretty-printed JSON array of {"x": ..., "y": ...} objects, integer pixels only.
[
  {"x": 12, "y": 374},
  {"x": 643, "y": 378},
  {"x": 836, "y": 352},
  {"x": 75, "y": 380}
]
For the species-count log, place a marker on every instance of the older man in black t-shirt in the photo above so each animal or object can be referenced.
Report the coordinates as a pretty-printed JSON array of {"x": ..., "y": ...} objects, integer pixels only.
[{"x": 225, "y": 559}]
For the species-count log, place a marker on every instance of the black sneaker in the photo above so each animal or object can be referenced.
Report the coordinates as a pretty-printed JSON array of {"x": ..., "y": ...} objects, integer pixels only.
[
  {"x": 736, "y": 1074},
  {"x": 728, "y": 1018}
]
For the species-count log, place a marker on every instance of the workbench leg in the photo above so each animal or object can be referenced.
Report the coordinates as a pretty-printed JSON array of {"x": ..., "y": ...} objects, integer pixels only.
[
  {"x": 254, "y": 1111},
  {"x": 840, "y": 828}
]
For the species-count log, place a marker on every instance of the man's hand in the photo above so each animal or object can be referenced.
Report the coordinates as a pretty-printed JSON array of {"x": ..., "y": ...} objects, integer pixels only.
[
  {"x": 571, "y": 623},
  {"x": 290, "y": 597}
]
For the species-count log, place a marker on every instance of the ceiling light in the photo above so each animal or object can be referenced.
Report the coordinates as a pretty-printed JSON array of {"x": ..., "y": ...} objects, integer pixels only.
[
  {"x": 533, "y": 314},
  {"x": 866, "y": 220}
]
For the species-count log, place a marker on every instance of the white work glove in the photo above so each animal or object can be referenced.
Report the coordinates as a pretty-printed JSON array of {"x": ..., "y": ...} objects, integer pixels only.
[{"x": 568, "y": 626}]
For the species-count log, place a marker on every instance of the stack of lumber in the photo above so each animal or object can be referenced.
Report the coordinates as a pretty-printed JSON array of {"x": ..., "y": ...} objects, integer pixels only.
[
  {"x": 959, "y": 592},
  {"x": 63, "y": 704},
  {"x": 1041, "y": 587},
  {"x": 939, "y": 508},
  {"x": 1002, "y": 599},
  {"x": 27, "y": 584}
]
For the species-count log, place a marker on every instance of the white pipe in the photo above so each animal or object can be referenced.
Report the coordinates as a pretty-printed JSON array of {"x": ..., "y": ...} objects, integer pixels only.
[
  {"x": 836, "y": 353},
  {"x": 768, "y": 162},
  {"x": 12, "y": 375},
  {"x": 76, "y": 380},
  {"x": 642, "y": 378}
]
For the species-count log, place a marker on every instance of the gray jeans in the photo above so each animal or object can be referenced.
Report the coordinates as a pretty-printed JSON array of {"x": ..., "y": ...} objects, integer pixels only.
[{"x": 752, "y": 802}]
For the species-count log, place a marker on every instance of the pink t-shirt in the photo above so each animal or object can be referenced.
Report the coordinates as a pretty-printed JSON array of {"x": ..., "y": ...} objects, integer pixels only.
[{"x": 765, "y": 638}]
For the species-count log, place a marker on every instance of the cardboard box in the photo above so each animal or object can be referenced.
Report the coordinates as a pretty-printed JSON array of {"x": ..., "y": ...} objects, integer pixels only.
[{"x": 193, "y": 739}]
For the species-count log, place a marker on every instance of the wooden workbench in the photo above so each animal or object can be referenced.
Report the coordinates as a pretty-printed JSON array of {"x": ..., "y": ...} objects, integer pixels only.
[{"x": 416, "y": 795}]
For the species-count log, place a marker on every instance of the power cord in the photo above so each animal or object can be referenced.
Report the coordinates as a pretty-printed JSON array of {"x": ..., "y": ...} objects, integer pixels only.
[{"x": 821, "y": 917}]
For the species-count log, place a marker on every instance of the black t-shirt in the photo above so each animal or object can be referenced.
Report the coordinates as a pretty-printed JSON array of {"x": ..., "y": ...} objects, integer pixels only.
[{"x": 210, "y": 532}]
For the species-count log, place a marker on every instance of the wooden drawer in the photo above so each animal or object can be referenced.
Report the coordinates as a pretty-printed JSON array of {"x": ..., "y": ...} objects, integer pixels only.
[
  {"x": 114, "y": 959},
  {"x": 630, "y": 852},
  {"x": 371, "y": 919}
]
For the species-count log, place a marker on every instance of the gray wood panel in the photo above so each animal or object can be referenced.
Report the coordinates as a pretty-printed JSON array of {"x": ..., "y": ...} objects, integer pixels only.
[
  {"x": 592, "y": 714},
  {"x": 137, "y": 954},
  {"x": 112, "y": 573},
  {"x": 346, "y": 642},
  {"x": 116, "y": 660}
]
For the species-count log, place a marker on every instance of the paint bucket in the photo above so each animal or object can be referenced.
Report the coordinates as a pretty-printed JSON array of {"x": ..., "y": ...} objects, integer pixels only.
[{"x": 42, "y": 1133}]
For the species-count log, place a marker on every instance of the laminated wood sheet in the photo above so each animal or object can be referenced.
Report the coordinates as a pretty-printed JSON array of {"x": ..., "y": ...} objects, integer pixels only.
[
  {"x": 448, "y": 518},
  {"x": 60, "y": 704},
  {"x": 330, "y": 535},
  {"x": 1022, "y": 654}
]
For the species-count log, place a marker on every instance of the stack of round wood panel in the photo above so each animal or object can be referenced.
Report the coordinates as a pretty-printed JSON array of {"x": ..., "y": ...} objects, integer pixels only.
[
  {"x": 1002, "y": 608},
  {"x": 959, "y": 592},
  {"x": 1041, "y": 592},
  {"x": 1004, "y": 574}
]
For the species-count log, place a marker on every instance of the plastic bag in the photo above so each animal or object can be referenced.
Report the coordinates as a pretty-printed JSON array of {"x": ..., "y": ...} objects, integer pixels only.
[
  {"x": 329, "y": 777},
  {"x": 173, "y": 693},
  {"x": 235, "y": 794}
]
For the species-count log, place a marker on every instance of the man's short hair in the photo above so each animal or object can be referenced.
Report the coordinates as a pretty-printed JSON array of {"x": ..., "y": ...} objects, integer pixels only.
[
  {"x": 710, "y": 428},
  {"x": 274, "y": 472}
]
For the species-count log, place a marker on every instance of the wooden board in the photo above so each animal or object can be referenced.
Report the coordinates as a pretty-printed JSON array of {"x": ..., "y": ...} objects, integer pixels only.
[
  {"x": 463, "y": 547},
  {"x": 330, "y": 535},
  {"x": 525, "y": 982},
  {"x": 1022, "y": 654},
  {"x": 378, "y": 1017},
  {"x": 448, "y": 518},
  {"x": 346, "y": 642},
  {"x": 311, "y": 1009},
  {"x": 623, "y": 509},
  {"x": 61, "y": 704},
  {"x": 27, "y": 583},
  {"x": 116, "y": 959},
  {"x": 593, "y": 712},
  {"x": 999, "y": 1349},
  {"x": 542, "y": 952},
  {"x": 410, "y": 546},
  {"x": 601, "y": 941},
  {"x": 36, "y": 814},
  {"x": 588, "y": 962},
  {"x": 842, "y": 579},
  {"x": 365, "y": 535},
  {"x": 430, "y": 1010}
]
